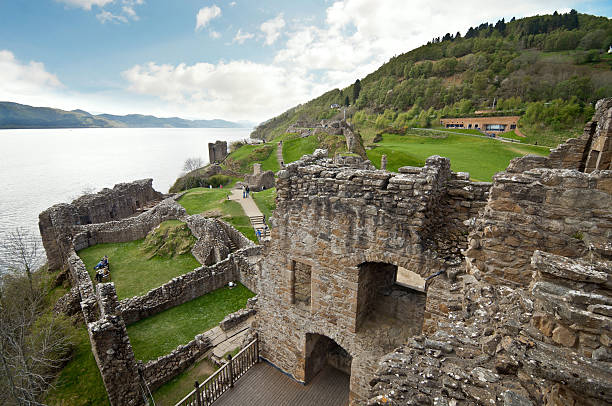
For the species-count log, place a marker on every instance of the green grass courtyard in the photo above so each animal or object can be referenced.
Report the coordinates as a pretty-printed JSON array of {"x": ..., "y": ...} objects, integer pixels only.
[{"x": 160, "y": 334}]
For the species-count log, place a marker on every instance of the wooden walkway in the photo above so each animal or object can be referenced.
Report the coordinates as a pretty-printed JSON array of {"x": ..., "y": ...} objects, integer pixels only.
[{"x": 264, "y": 385}]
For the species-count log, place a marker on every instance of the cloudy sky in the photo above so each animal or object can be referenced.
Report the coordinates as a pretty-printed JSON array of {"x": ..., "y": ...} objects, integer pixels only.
[{"x": 236, "y": 60}]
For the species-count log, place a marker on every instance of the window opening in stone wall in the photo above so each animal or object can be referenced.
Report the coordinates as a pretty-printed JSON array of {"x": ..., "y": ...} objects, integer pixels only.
[
  {"x": 390, "y": 297},
  {"x": 302, "y": 284}
]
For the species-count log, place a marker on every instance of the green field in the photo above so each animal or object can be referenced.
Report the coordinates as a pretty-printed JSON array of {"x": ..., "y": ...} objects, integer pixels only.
[
  {"x": 214, "y": 203},
  {"x": 178, "y": 387},
  {"x": 131, "y": 271},
  {"x": 481, "y": 157},
  {"x": 160, "y": 334}
]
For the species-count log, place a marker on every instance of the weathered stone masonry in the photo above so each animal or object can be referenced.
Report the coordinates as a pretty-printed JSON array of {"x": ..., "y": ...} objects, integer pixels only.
[{"x": 342, "y": 220}]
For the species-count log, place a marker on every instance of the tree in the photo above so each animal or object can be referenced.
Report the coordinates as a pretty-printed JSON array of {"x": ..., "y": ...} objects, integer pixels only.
[
  {"x": 346, "y": 101},
  {"x": 356, "y": 90},
  {"x": 192, "y": 164},
  {"x": 34, "y": 342}
]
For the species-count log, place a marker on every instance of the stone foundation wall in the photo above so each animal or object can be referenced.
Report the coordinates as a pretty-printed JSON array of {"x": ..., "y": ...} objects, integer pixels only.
[{"x": 124, "y": 200}]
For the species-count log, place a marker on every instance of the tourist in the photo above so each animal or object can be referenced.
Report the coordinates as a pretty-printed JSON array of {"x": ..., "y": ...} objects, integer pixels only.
[
  {"x": 247, "y": 191},
  {"x": 99, "y": 276},
  {"x": 243, "y": 192},
  {"x": 103, "y": 263},
  {"x": 259, "y": 233}
]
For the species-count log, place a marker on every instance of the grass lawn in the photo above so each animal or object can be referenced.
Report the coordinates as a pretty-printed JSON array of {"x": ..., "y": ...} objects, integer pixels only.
[
  {"x": 298, "y": 147},
  {"x": 79, "y": 383},
  {"x": 266, "y": 201},
  {"x": 481, "y": 157},
  {"x": 131, "y": 271},
  {"x": 162, "y": 333},
  {"x": 213, "y": 202},
  {"x": 175, "y": 390}
]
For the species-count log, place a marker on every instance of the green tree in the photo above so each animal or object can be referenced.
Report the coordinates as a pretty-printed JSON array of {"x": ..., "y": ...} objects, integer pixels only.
[{"x": 356, "y": 90}]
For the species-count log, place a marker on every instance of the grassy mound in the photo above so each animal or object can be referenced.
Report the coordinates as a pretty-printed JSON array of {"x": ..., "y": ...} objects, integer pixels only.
[
  {"x": 266, "y": 201},
  {"x": 294, "y": 149},
  {"x": 214, "y": 203},
  {"x": 243, "y": 158},
  {"x": 169, "y": 239}
]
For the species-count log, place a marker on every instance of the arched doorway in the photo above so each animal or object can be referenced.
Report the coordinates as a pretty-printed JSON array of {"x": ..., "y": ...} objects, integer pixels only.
[{"x": 322, "y": 353}]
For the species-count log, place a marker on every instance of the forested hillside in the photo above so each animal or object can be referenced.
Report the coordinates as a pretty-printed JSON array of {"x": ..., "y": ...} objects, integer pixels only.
[{"x": 548, "y": 69}]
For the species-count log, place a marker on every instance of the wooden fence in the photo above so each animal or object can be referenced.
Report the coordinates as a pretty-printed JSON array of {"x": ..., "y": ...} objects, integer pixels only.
[{"x": 223, "y": 379}]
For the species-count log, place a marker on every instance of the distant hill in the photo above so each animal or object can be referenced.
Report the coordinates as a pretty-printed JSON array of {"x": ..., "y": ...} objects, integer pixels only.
[
  {"x": 549, "y": 69},
  {"x": 14, "y": 115}
]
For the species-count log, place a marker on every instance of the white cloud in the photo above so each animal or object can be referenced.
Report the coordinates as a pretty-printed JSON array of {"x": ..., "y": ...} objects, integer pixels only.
[
  {"x": 205, "y": 15},
  {"x": 271, "y": 29},
  {"x": 242, "y": 36},
  {"x": 232, "y": 4},
  {"x": 237, "y": 89},
  {"x": 108, "y": 17},
  {"x": 113, "y": 11},
  {"x": 24, "y": 82},
  {"x": 86, "y": 4},
  {"x": 214, "y": 34}
]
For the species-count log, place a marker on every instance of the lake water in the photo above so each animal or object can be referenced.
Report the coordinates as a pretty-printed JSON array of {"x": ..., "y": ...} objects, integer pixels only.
[{"x": 39, "y": 168}]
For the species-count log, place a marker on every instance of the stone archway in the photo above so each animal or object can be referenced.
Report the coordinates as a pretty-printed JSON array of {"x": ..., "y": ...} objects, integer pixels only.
[{"x": 322, "y": 352}]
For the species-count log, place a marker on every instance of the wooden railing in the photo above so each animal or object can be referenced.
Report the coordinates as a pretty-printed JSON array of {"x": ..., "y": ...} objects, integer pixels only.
[{"x": 223, "y": 379}]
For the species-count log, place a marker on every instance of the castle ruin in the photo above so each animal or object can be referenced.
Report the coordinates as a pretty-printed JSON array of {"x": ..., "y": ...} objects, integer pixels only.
[{"x": 516, "y": 305}]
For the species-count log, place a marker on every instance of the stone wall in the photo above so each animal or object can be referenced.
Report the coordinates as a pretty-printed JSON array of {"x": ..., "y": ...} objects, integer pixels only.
[
  {"x": 573, "y": 303},
  {"x": 56, "y": 223},
  {"x": 217, "y": 152},
  {"x": 157, "y": 372},
  {"x": 185, "y": 287},
  {"x": 488, "y": 352},
  {"x": 336, "y": 217},
  {"x": 258, "y": 180},
  {"x": 560, "y": 211},
  {"x": 113, "y": 352}
]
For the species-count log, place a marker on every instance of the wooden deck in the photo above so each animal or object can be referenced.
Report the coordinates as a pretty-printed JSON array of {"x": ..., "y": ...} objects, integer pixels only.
[{"x": 264, "y": 385}]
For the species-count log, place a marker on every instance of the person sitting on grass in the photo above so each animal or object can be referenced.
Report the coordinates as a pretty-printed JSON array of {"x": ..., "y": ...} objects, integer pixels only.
[{"x": 102, "y": 264}]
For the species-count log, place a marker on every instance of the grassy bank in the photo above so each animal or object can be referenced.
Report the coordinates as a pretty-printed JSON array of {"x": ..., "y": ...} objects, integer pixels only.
[
  {"x": 181, "y": 385},
  {"x": 243, "y": 158},
  {"x": 162, "y": 333},
  {"x": 79, "y": 383},
  {"x": 214, "y": 203},
  {"x": 481, "y": 157}
]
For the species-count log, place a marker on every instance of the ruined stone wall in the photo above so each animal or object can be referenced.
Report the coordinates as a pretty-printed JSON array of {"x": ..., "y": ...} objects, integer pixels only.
[
  {"x": 489, "y": 352},
  {"x": 180, "y": 290},
  {"x": 129, "y": 229},
  {"x": 591, "y": 151},
  {"x": 334, "y": 216},
  {"x": 124, "y": 200},
  {"x": 573, "y": 303},
  {"x": 161, "y": 370},
  {"x": 217, "y": 152},
  {"x": 113, "y": 352},
  {"x": 563, "y": 212}
]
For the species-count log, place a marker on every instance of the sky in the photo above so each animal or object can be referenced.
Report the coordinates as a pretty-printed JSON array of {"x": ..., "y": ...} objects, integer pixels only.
[{"x": 229, "y": 59}]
